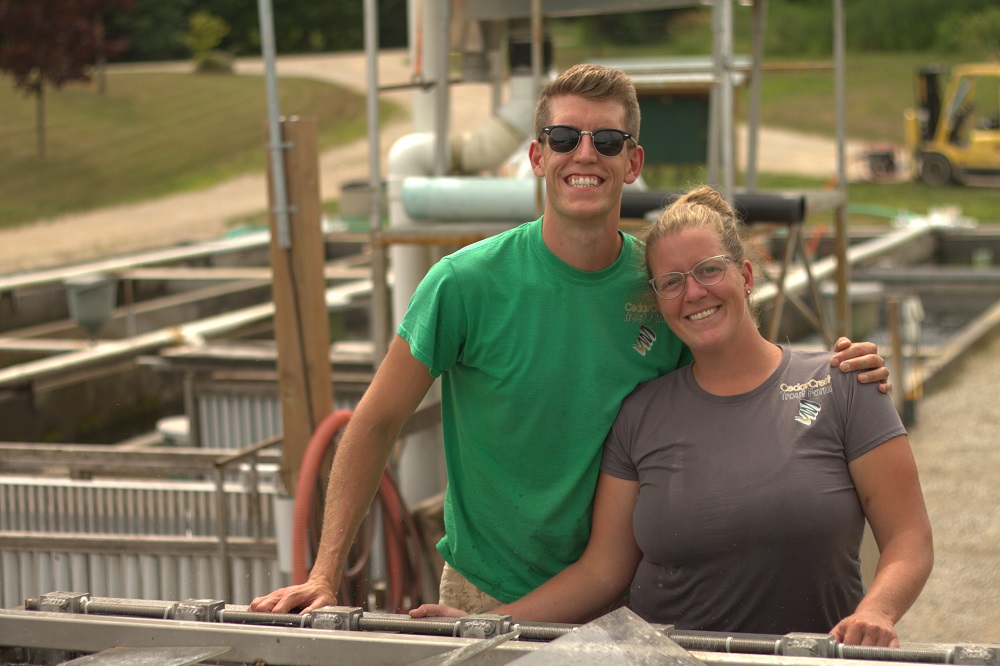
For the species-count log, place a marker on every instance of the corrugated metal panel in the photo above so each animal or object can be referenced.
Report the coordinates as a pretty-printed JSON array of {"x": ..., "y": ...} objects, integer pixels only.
[
  {"x": 230, "y": 417},
  {"x": 29, "y": 573},
  {"x": 127, "y": 510},
  {"x": 234, "y": 417},
  {"x": 184, "y": 508}
]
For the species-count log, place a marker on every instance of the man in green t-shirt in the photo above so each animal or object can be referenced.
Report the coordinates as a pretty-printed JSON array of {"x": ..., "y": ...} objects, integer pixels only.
[{"x": 537, "y": 334}]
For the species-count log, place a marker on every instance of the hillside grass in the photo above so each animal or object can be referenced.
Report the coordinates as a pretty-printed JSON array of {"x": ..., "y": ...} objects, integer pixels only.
[
  {"x": 878, "y": 88},
  {"x": 151, "y": 134},
  {"x": 157, "y": 133}
]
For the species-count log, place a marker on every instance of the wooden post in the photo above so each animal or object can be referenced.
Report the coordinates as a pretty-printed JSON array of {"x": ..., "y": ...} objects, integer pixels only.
[
  {"x": 301, "y": 326},
  {"x": 898, "y": 363}
]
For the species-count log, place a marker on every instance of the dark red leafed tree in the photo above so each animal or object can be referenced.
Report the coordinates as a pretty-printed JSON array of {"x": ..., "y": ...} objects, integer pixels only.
[{"x": 48, "y": 43}]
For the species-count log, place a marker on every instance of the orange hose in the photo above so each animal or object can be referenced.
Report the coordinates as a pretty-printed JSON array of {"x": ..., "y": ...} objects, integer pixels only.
[
  {"x": 402, "y": 571},
  {"x": 309, "y": 471},
  {"x": 404, "y": 564},
  {"x": 395, "y": 544},
  {"x": 814, "y": 240}
]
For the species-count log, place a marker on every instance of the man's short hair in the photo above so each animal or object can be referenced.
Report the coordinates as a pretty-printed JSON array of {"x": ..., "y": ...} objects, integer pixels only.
[{"x": 591, "y": 82}]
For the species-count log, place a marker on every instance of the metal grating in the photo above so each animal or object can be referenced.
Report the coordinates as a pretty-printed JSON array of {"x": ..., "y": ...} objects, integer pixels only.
[{"x": 133, "y": 538}]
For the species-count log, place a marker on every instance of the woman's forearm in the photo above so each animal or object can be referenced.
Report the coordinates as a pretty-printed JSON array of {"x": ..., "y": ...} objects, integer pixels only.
[
  {"x": 904, "y": 566},
  {"x": 577, "y": 594}
]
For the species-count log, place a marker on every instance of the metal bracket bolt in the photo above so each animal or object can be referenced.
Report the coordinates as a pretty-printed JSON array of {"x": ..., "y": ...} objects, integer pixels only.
[
  {"x": 808, "y": 645},
  {"x": 198, "y": 610},
  {"x": 63, "y": 602},
  {"x": 977, "y": 655},
  {"x": 342, "y": 618},
  {"x": 485, "y": 625}
]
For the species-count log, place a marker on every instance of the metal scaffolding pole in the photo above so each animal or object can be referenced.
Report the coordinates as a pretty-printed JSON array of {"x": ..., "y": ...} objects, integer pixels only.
[
  {"x": 380, "y": 321},
  {"x": 843, "y": 325}
]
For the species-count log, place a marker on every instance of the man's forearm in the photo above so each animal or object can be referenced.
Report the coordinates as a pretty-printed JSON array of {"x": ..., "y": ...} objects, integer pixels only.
[{"x": 357, "y": 469}]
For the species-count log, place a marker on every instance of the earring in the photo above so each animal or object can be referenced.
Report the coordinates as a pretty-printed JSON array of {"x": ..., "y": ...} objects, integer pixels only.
[{"x": 748, "y": 292}]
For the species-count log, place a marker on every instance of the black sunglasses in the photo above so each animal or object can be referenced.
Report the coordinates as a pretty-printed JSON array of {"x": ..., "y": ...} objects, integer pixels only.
[{"x": 565, "y": 139}]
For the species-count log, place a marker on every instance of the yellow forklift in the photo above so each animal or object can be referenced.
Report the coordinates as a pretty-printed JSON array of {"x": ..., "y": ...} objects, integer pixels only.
[{"x": 956, "y": 138}]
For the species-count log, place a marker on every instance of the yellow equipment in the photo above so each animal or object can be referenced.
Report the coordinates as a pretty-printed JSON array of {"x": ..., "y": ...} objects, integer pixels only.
[{"x": 956, "y": 138}]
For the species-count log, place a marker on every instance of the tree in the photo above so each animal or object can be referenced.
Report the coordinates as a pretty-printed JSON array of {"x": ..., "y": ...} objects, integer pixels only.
[
  {"x": 157, "y": 29},
  {"x": 52, "y": 42},
  {"x": 154, "y": 30},
  {"x": 975, "y": 36}
]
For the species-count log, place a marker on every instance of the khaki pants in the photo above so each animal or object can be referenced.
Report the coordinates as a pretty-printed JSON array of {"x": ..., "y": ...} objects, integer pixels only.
[{"x": 456, "y": 591}]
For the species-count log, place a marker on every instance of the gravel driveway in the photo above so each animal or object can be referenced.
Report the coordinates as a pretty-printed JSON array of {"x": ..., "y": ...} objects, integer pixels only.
[{"x": 955, "y": 442}]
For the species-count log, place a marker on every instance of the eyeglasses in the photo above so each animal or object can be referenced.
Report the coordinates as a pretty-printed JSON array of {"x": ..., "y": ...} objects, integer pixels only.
[
  {"x": 707, "y": 272},
  {"x": 565, "y": 139}
]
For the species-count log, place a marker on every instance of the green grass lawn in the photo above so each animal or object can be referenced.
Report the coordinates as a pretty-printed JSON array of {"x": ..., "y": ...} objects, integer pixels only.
[
  {"x": 149, "y": 135},
  {"x": 869, "y": 203},
  {"x": 879, "y": 87}
]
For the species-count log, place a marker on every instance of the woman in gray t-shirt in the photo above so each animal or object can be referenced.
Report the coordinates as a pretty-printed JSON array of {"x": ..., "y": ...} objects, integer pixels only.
[{"x": 733, "y": 492}]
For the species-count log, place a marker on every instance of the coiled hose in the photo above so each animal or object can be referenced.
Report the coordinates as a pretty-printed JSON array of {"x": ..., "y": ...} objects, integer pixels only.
[{"x": 403, "y": 540}]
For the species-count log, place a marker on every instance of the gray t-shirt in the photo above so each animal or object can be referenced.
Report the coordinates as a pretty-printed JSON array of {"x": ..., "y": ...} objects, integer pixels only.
[{"x": 747, "y": 516}]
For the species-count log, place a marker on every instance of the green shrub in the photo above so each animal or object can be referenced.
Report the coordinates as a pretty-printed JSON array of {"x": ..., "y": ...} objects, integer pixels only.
[
  {"x": 215, "y": 62},
  {"x": 205, "y": 33}
]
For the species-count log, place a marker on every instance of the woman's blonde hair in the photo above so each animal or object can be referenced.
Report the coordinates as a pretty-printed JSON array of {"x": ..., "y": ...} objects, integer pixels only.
[{"x": 703, "y": 208}]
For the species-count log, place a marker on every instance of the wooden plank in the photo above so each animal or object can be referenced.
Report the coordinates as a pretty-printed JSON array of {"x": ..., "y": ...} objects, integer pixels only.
[
  {"x": 105, "y": 460},
  {"x": 301, "y": 328},
  {"x": 115, "y": 265},
  {"x": 46, "y": 346},
  {"x": 255, "y": 273},
  {"x": 148, "y": 544}
]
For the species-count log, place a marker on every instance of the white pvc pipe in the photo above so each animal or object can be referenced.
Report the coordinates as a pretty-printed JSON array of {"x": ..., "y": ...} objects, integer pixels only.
[
  {"x": 424, "y": 153},
  {"x": 480, "y": 150},
  {"x": 497, "y": 199},
  {"x": 421, "y": 468},
  {"x": 283, "y": 508},
  {"x": 486, "y": 147},
  {"x": 411, "y": 155}
]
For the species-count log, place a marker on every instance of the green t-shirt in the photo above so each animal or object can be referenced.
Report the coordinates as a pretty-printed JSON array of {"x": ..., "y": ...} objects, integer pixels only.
[{"x": 535, "y": 358}]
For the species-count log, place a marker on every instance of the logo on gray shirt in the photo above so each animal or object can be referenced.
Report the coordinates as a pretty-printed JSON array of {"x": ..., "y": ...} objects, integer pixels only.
[{"x": 808, "y": 412}]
